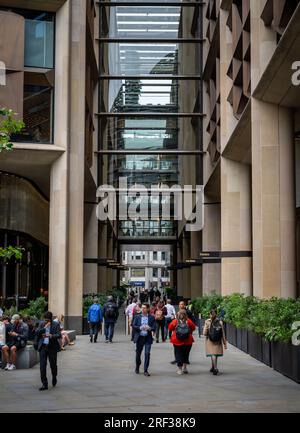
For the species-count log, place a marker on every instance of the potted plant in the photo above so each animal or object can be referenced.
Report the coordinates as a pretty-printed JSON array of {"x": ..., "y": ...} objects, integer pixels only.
[
  {"x": 285, "y": 356},
  {"x": 8, "y": 126}
]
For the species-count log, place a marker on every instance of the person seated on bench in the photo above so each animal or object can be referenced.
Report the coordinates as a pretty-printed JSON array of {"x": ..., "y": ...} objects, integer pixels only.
[
  {"x": 65, "y": 340},
  {"x": 4, "y": 321},
  {"x": 16, "y": 339}
]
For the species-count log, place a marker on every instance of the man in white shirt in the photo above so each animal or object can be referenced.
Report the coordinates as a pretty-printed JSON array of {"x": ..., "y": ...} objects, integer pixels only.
[
  {"x": 129, "y": 312},
  {"x": 169, "y": 317}
]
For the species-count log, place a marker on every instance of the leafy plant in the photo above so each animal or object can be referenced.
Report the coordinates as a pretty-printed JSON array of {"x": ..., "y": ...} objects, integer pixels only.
[
  {"x": 9, "y": 252},
  {"x": 8, "y": 126},
  {"x": 206, "y": 303},
  {"x": 271, "y": 318},
  {"x": 118, "y": 294},
  {"x": 37, "y": 307}
]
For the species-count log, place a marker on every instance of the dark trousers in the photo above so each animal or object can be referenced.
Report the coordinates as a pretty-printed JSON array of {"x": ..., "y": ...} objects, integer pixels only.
[
  {"x": 94, "y": 329},
  {"x": 142, "y": 341},
  {"x": 167, "y": 332},
  {"x": 109, "y": 330},
  {"x": 52, "y": 356},
  {"x": 182, "y": 354},
  {"x": 160, "y": 324}
]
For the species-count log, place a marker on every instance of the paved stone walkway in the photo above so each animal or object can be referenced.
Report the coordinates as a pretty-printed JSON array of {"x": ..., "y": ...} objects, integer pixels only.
[{"x": 100, "y": 378}]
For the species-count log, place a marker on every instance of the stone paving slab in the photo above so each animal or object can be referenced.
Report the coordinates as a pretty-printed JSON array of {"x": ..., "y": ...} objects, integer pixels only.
[{"x": 100, "y": 378}]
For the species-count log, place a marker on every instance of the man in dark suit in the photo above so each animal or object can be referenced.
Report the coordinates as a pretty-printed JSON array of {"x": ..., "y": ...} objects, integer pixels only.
[
  {"x": 47, "y": 344},
  {"x": 143, "y": 326}
]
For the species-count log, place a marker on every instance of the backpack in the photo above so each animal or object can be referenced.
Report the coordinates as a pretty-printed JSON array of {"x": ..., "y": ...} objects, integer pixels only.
[
  {"x": 182, "y": 330},
  {"x": 110, "y": 312},
  {"x": 159, "y": 315},
  {"x": 215, "y": 333}
]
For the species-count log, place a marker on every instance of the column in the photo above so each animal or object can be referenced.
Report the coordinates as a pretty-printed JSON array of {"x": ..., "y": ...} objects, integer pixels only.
[
  {"x": 58, "y": 238},
  {"x": 196, "y": 271},
  {"x": 274, "y": 234},
  {"x": 76, "y": 166},
  {"x": 236, "y": 227}
]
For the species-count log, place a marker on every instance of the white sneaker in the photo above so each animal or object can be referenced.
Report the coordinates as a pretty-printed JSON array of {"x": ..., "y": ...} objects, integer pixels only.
[
  {"x": 12, "y": 367},
  {"x": 7, "y": 367},
  {"x": 179, "y": 371}
]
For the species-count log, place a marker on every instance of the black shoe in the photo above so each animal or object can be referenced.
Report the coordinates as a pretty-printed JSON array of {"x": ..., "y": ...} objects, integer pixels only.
[
  {"x": 157, "y": 341},
  {"x": 137, "y": 371},
  {"x": 54, "y": 381},
  {"x": 95, "y": 340},
  {"x": 215, "y": 372},
  {"x": 91, "y": 339},
  {"x": 173, "y": 362},
  {"x": 43, "y": 388},
  {"x": 212, "y": 370},
  {"x": 146, "y": 374}
]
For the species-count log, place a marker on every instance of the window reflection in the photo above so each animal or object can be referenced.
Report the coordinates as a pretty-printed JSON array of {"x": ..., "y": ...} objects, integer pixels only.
[{"x": 39, "y": 41}]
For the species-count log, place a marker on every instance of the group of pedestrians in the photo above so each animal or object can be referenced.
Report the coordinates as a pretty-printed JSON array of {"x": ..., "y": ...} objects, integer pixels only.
[
  {"x": 147, "y": 323},
  {"x": 96, "y": 314}
]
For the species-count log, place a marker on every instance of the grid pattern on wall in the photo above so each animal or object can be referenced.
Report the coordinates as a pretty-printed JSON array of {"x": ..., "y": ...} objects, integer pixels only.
[
  {"x": 211, "y": 77},
  {"x": 277, "y": 14},
  {"x": 239, "y": 70}
]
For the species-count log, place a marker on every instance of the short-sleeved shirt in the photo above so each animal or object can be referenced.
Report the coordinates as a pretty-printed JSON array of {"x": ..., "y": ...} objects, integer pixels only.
[{"x": 144, "y": 322}]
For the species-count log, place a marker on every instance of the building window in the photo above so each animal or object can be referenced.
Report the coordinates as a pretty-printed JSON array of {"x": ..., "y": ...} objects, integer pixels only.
[
  {"x": 136, "y": 272},
  {"x": 154, "y": 255},
  {"x": 163, "y": 255},
  {"x": 39, "y": 39},
  {"x": 155, "y": 273}
]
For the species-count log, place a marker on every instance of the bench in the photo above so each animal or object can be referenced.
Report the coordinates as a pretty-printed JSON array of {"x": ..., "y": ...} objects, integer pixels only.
[
  {"x": 71, "y": 335},
  {"x": 29, "y": 357}
]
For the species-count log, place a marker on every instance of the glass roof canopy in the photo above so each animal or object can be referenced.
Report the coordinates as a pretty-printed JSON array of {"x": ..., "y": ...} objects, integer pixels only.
[
  {"x": 146, "y": 22},
  {"x": 150, "y": 59}
]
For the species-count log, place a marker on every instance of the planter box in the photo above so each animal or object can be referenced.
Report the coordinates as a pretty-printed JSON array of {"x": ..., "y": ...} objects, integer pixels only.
[
  {"x": 242, "y": 339},
  {"x": 266, "y": 352},
  {"x": 286, "y": 360},
  {"x": 231, "y": 334},
  {"x": 85, "y": 326},
  {"x": 255, "y": 346}
]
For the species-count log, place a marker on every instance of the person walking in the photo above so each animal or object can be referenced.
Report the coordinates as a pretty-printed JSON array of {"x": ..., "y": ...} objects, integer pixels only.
[
  {"x": 171, "y": 314},
  {"x": 47, "y": 343},
  {"x": 182, "y": 339},
  {"x": 143, "y": 329},
  {"x": 215, "y": 340},
  {"x": 111, "y": 314},
  {"x": 160, "y": 313},
  {"x": 95, "y": 318},
  {"x": 151, "y": 295},
  {"x": 182, "y": 307}
]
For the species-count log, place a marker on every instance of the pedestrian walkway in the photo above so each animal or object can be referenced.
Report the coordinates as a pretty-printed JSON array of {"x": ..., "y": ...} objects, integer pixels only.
[{"x": 100, "y": 378}]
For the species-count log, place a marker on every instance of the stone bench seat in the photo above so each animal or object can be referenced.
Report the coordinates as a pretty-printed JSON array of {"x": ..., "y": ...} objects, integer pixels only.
[
  {"x": 71, "y": 335},
  {"x": 29, "y": 357}
]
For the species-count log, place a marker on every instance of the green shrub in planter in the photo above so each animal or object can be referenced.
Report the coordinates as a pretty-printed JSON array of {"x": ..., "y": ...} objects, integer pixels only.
[
  {"x": 237, "y": 309},
  {"x": 88, "y": 300},
  {"x": 37, "y": 308},
  {"x": 206, "y": 303}
]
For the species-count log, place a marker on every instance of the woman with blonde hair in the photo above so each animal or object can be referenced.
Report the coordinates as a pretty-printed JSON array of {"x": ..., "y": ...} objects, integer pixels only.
[
  {"x": 65, "y": 340},
  {"x": 182, "y": 339}
]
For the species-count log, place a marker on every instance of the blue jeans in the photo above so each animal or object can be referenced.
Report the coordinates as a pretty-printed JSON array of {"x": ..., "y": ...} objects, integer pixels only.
[{"x": 109, "y": 330}]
